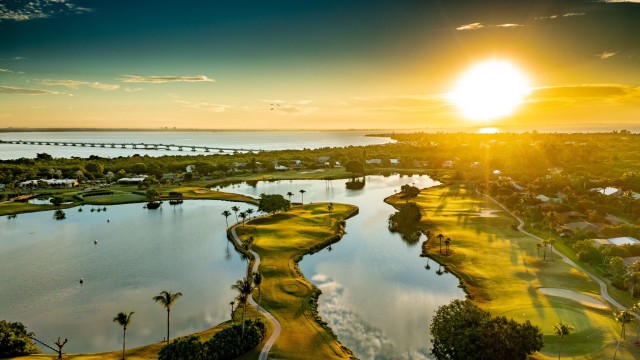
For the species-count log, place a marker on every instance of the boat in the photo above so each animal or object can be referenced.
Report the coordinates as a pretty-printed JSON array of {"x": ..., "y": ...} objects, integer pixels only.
[{"x": 153, "y": 204}]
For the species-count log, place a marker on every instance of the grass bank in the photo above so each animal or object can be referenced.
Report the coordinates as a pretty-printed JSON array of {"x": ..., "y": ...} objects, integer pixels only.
[
  {"x": 502, "y": 273},
  {"x": 281, "y": 240}
]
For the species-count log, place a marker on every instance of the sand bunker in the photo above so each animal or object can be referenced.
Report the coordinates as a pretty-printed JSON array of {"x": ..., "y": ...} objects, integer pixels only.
[
  {"x": 487, "y": 213},
  {"x": 576, "y": 296},
  {"x": 202, "y": 191}
]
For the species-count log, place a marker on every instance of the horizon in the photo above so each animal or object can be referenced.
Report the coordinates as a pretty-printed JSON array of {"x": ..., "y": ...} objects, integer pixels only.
[{"x": 316, "y": 66}]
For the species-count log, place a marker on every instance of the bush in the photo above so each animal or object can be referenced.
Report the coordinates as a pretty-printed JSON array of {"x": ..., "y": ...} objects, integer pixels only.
[
  {"x": 226, "y": 344},
  {"x": 14, "y": 340}
]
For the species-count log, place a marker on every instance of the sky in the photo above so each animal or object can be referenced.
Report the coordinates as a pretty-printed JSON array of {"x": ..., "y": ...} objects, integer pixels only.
[{"x": 310, "y": 64}]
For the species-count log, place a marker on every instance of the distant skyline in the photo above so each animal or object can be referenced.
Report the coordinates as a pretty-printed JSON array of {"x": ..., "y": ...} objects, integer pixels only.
[{"x": 310, "y": 64}]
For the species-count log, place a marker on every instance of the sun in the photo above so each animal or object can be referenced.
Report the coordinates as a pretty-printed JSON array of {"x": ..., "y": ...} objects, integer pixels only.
[{"x": 490, "y": 90}]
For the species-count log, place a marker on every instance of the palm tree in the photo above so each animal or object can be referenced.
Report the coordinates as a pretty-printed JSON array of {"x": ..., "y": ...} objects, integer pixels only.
[
  {"x": 232, "y": 309},
  {"x": 561, "y": 329},
  {"x": 249, "y": 211},
  {"x": 636, "y": 309},
  {"x": 289, "y": 194},
  {"x": 545, "y": 243},
  {"x": 244, "y": 289},
  {"x": 243, "y": 216},
  {"x": 124, "y": 320},
  {"x": 632, "y": 279},
  {"x": 302, "y": 195},
  {"x": 551, "y": 242},
  {"x": 167, "y": 299},
  {"x": 235, "y": 210},
  {"x": 539, "y": 246},
  {"x": 446, "y": 244},
  {"x": 257, "y": 281},
  {"x": 623, "y": 317},
  {"x": 226, "y": 215},
  {"x": 440, "y": 237}
]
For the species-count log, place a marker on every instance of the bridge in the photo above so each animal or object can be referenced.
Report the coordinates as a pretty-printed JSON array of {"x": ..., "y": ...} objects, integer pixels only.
[{"x": 140, "y": 146}]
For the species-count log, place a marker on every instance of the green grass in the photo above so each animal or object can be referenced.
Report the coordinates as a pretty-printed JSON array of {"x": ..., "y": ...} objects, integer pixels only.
[
  {"x": 501, "y": 271},
  {"x": 280, "y": 240}
]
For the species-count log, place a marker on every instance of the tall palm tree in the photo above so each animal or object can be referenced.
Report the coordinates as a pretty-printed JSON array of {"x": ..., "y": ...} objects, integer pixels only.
[
  {"x": 636, "y": 309},
  {"x": 167, "y": 299},
  {"x": 539, "y": 246},
  {"x": 446, "y": 244},
  {"x": 124, "y": 320},
  {"x": 440, "y": 237},
  {"x": 561, "y": 329},
  {"x": 545, "y": 243},
  {"x": 232, "y": 309},
  {"x": 551, "y": 242},
  {"x": 226, "y": 215},
  {"x": 257, "y": 281},
  {"x": 249, "y": 211},
  {"x": 235, "y": 210},
  {"x": 289, "y": 194},
  {"x": 244, "y": 289},
  {"x": 243, "y": 216},
  {"x": 623, "y": 317},
  {"x": 302, "y": 195}
]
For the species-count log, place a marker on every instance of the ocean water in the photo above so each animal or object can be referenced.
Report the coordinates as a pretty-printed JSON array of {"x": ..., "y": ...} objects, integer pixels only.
[{"x": 255, "y": 140}]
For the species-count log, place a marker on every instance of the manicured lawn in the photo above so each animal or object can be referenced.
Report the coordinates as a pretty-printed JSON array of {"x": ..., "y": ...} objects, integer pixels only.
[
  {"x": 279, "y": 240},
  {"x": 502, "y": 272}
]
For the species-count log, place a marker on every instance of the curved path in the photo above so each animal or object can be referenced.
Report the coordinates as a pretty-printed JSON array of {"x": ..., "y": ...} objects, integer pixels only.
[
  {"x": 264, "y": 353},
  {"x": 603, "y": 287}
]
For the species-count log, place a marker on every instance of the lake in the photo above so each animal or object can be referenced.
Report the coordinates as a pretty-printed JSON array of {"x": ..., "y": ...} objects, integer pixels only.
[
  {"x": 377, "y": 295},
  {"x": 263, "y": 140}
]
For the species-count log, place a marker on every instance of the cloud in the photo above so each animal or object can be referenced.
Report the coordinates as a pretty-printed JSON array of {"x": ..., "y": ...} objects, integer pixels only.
[
  {"x": 606, "y": 54},
  {"x": 217, "y": 108},
  {"x": 509, "y": 25},
  {"x": 566, "y": 15},
  {"x": 400, "y": 104},
  {"x": 586, "y": 94},
  {"x": 163, "y": 79},
  {"x": 24, "y": 10},
  {"x": 5, "y": 70},
  {"x": 479, "y": 26},
  {"x": 473, "y": 26},
  {"x": 75, "y": 84},
  {"x": 26, "y": 91}
]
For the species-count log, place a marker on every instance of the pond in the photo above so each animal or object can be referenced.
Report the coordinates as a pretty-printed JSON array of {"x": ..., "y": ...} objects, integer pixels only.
[{"x": 377, "y": 295}]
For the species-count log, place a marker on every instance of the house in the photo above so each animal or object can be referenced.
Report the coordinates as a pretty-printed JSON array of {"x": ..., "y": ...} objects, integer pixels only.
[
  {"x": 132, "y": 180},
  {"x": 238, "y": 165},
  {"x": 190, "y": 168},
  {"x": 516, "y": 186},
  {"x": 608, "y": 191},
  {"x": 374, "y": 161},
  {"x": 448, "y": 164},
  {"x": 546, "y": 199},
  {"x": 323, "y": 159},
  {"x": 623, "y": 240},
  {"x": 394, "y": 162},
  {"x": 628, "y": 261},
  {"x": 496, "y": 172},
  {"x": 582, "y": 226},
  {"x": 280, "y": 168},
  {"x": 57, "y": 183}
]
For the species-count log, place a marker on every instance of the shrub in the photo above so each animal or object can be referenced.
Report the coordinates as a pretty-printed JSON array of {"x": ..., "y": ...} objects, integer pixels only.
[
  {"x": 14, "y": 340},
  {"x": 226, "y": 344}
]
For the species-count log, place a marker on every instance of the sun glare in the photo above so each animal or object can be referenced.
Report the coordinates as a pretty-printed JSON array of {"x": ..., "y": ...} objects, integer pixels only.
[{"x": 490, "y": 90}]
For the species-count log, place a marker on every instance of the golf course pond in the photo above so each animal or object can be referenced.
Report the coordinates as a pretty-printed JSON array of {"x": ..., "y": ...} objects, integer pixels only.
[{"x": 378, "y": 296}]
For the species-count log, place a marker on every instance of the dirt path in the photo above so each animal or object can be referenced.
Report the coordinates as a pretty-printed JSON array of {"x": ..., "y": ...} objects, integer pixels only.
[{"x": 264, "y": 353}]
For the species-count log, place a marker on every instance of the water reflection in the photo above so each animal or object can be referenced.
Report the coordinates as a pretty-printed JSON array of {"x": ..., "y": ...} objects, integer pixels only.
[{"x": 377, "y": 294}]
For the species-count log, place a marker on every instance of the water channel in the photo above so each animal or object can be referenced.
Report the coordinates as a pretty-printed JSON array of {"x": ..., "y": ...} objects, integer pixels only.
[{"x": 377, "y": 295}]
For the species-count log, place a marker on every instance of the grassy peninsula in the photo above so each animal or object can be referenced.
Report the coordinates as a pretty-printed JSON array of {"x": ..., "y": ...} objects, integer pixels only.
[
  {"x": 502, "y": 272},
  {"x": 282, "y": 240}
]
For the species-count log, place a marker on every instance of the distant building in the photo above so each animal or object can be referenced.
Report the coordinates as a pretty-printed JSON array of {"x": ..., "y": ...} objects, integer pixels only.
[
  {"x": 132, "y": 180},
  {"x": 374, "y": 161},
  {"x": 281, "y": 168},
  {"x": 323, "y": 159},
  {"x": 394, "y": 162},
  {"x": 59, "y": 183},
  {"x": 624, "y": 240},
  {"x": 448, "y": 164},
  {"x": 608, "y": 191}
]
